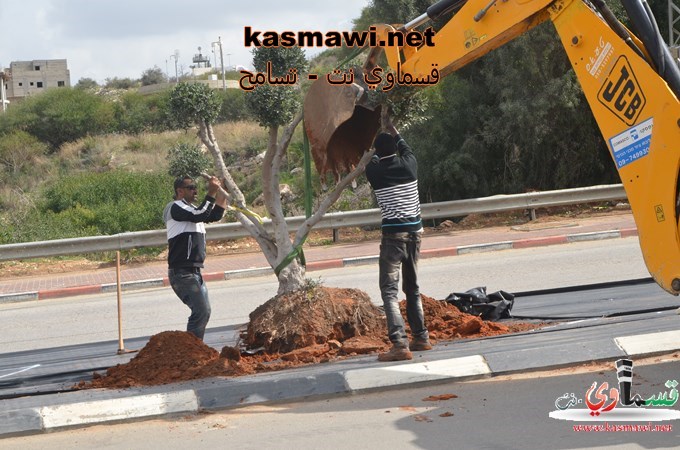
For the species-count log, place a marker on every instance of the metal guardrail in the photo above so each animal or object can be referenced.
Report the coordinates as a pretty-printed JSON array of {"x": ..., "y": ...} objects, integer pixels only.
[{"x": 367, "y": 217}]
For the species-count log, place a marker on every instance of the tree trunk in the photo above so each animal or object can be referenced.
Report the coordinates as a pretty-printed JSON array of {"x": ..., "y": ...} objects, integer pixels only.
[
  {"x": 276, "y": 245},
  {"x": 292, "y": 278},
  {"x": 237, "y": 200}
]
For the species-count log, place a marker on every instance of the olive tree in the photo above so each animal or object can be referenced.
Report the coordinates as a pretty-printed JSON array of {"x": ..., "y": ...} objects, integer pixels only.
[{"x": 278, "y": 109}]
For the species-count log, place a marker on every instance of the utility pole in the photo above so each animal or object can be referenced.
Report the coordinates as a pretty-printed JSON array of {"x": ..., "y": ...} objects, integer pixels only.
[
  {"x": 219, "y": 43},
  {"x": 175, "y": 55}
]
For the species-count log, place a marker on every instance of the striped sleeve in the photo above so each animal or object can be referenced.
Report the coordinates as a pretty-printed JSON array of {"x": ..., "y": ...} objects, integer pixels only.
[
  {"x": 399, "y": 202},
  {"x": 183, "y": 211}
]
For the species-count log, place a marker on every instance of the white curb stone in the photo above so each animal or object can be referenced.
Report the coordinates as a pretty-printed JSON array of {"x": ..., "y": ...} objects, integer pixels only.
[
  {"x": 377, "y": 377},
  {"x": 118, "y": 409}
]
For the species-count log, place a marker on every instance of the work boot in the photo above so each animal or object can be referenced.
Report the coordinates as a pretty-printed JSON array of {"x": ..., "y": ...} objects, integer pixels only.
[
  {"x": 396, "y": 353},
  {"x": 420, "y": 344}
]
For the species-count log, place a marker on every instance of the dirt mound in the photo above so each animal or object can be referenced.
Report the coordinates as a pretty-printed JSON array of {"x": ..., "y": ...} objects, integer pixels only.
[
  {"x": 168, "y": 356},
  {"x": 311, "y": 326},
  {"x": 446, "y": 322},
  {"x": 312, "y": 316}
]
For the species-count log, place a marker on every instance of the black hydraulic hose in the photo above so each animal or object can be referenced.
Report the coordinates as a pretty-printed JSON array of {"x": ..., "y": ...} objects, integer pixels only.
[
  {"x": 433, "y": 13},
  {"x": 615, "y": 25},
  {"x": 644, "y": 25},
  {"x": 443, "y": 7},
  {"x": 660, "y": 45}
]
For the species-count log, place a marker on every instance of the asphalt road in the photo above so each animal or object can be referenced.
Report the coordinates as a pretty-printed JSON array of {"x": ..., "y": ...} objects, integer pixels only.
[
  {"x": 502, "y": 413},
  {"x": 93, "y": 318},
  {"x": 585, "y": 334}
]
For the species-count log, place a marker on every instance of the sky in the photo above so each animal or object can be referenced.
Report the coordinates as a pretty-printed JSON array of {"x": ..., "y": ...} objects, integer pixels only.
[{"x": 123, "y": 38}]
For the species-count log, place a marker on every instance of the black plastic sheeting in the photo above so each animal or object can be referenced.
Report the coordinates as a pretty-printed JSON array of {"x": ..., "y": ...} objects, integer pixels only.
[{"x": 476, "y": 301}]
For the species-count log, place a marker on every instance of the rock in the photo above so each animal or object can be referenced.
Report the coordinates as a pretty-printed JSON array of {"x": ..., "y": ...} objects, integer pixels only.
[{"x": 362, "y": 345}]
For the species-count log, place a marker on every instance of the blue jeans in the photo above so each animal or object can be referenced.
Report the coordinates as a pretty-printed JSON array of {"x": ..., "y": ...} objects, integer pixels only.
[
  {"x": 401, "y": 251},
  {"x": 189, "y": 286}
]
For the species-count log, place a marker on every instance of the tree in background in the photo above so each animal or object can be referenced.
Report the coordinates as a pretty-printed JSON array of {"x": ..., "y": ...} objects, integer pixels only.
[
  {"x": 135, "y": 113},
  {"x": 60, "y": 115},
  {"x": 234, "y": 106},
  {"x": 121, "y": 83},
  {"x": 542, "y": 126},
  {"x": 153, "y": 76},
  {"x": 513, "y": 120},
  {"x": 86, "y": 83}
]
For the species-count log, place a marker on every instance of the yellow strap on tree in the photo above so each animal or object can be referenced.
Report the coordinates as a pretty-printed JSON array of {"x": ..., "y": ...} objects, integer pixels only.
[
  {"x": 246, "y": 211},
  {"x": 297, "y": 252}
]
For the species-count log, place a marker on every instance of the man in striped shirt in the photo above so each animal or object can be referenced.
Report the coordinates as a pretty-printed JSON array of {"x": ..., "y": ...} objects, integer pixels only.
[
  {"x": 392, "y": 174},
  {"x": 186, "y": 246}
]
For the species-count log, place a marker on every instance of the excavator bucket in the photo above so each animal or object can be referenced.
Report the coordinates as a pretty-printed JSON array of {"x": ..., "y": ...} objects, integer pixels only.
[{"x": 339, "y": 124}]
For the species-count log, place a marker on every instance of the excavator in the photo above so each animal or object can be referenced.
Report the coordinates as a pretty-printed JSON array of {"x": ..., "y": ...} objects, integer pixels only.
[{"x": 630, "y": 79}]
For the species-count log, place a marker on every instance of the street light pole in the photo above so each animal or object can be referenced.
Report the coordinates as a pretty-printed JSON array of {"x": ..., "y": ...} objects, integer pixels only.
[
  {"x": 219, "y": 43},
  {"x": 224, "y": 83},
  {"x": 176, "y": 55}
]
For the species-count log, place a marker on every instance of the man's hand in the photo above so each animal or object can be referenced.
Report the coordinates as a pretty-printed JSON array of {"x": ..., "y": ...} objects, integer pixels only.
[
  {"x": 213, "y": 186},
  {"x": 222, "y": 198},
  {"x": 388, "y": 125}
]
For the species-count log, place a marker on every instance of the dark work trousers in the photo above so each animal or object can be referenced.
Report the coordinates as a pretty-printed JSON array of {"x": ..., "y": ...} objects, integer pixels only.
[
  {"x": 401, "y": 251},
  {"x": 189, "y": 286}
]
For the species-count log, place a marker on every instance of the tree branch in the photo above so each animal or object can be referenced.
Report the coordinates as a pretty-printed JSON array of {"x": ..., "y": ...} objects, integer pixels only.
[
  {"x": 330, "y": 199},
  {"x": 290, "y": 129},
  {"x": 243, "y": 214}
]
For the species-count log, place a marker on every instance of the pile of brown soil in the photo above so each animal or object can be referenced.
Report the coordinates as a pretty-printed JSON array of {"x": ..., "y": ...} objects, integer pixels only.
[
  {"x": 311, "y": 316},
  {"x": 315, "y": 325}
]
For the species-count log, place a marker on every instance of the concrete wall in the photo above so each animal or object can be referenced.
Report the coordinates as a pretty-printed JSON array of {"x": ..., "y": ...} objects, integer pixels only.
[{"x": 33, "y": 77}]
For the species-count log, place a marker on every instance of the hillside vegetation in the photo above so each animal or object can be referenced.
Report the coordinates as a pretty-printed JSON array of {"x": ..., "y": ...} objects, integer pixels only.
[
  {"x": 103, "y": 183},
  {"x": 95, "y": 160}
]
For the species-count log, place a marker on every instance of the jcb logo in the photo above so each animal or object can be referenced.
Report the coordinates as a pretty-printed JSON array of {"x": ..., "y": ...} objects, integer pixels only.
[{"x": 621, "y": 93}]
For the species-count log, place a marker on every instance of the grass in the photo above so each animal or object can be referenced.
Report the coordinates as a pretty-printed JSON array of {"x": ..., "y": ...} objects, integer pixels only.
[{"x": 148, "y": 151}]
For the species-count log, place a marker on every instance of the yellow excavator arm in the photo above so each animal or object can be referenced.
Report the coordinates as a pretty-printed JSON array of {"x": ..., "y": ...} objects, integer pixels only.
[{"x": 631, "y": 84}]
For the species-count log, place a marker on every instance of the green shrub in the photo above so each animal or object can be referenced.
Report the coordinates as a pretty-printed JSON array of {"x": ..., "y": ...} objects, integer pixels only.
[
  {"x": 107, "y": 203},
  {"x": 60, "y": 115},
  {"x": 19, "y": 151},
  {"x": 7, "y": 231},
  {"x": 136, "y": 113}
]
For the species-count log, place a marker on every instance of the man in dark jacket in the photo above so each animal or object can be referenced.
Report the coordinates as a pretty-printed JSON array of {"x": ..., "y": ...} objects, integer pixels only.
[
  {"x": 392, "y": 174},
  {"x": 186, "y": 246}
]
